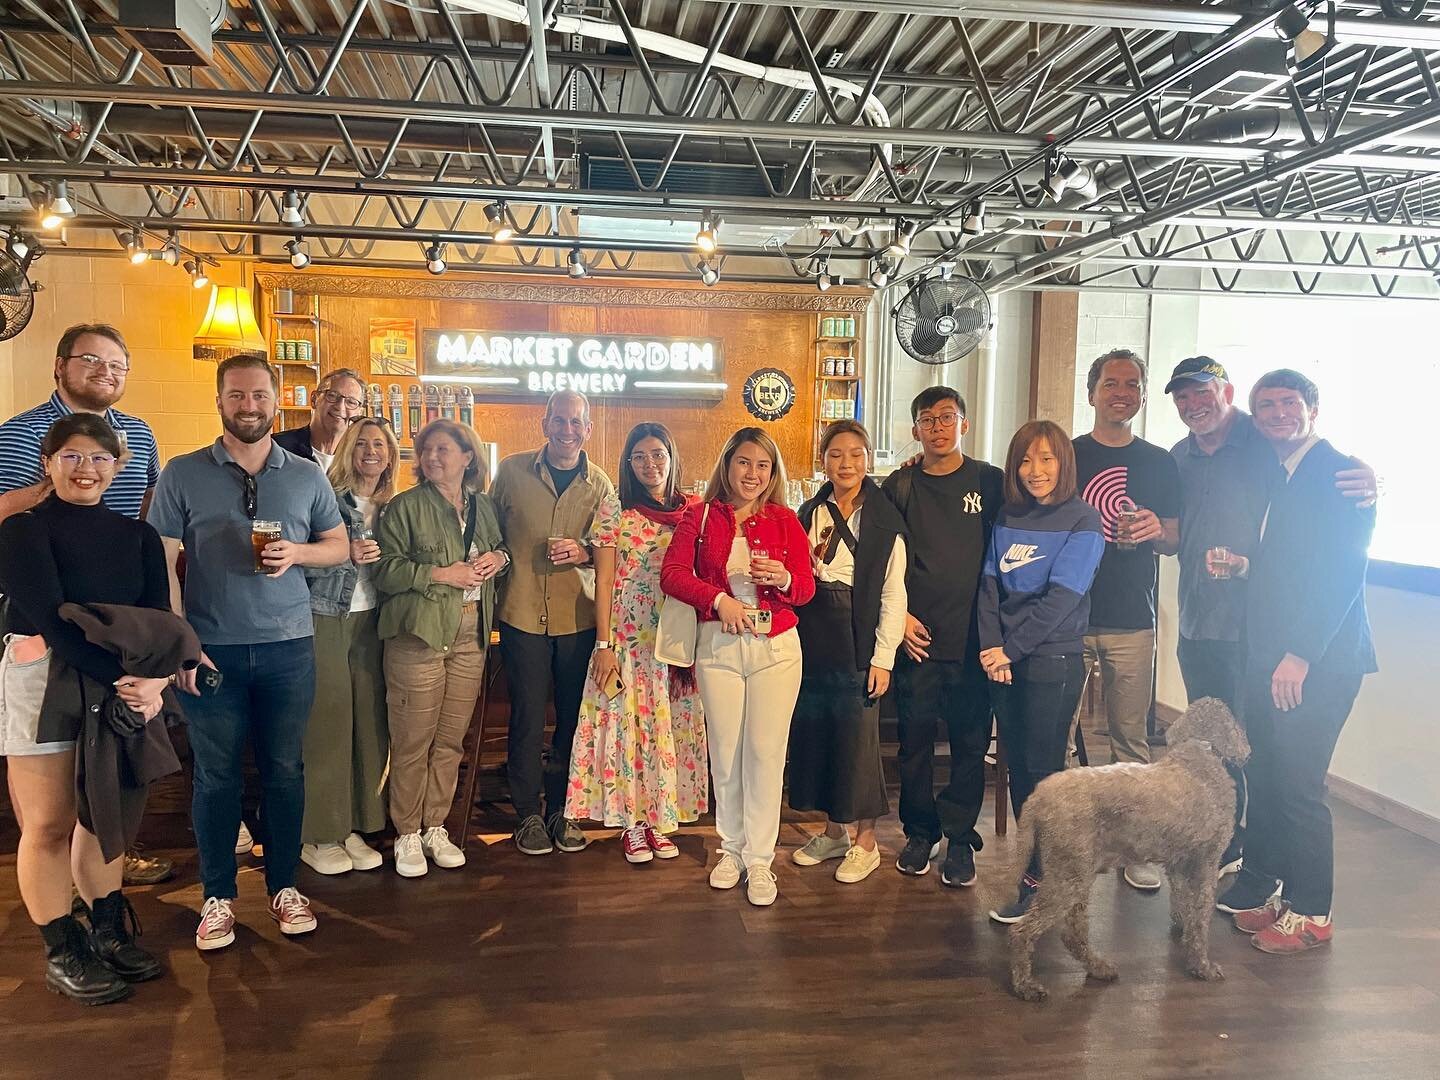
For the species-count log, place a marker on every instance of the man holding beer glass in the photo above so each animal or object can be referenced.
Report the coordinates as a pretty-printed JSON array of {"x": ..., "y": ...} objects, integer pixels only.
[{"x": 249, "y": 515}]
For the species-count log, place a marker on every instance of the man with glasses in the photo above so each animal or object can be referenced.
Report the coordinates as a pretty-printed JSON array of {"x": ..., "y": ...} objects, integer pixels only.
[
  {"x": 92, "y": 363},
  {"x": 949, "y": 503},
  {"x": 339, "y": 401},
  {"x": 546, "y": 500},
  {"x": 256, "y": 631}
]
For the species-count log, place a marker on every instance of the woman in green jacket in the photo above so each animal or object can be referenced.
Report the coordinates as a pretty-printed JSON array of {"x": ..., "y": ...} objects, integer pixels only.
[{"x": 440, "y": 554}]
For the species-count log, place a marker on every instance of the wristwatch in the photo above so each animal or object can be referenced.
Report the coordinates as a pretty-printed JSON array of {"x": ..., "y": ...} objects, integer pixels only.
[{"x": 603, "y": 645}]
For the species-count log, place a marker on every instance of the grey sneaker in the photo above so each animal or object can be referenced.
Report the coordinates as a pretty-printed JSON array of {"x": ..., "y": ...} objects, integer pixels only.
[
  {"x": 1144, "y": 876},
  {"x": 566, "y": 834},
  {"x": 531, "y": 837},
  {"x": 819, "y": 848}
]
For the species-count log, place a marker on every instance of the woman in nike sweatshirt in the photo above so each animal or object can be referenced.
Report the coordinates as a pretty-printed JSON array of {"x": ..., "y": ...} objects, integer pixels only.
[{"x": 1033, "y": 611}]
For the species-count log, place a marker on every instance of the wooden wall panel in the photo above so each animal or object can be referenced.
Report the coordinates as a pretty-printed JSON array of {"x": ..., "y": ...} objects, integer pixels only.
[{"x": 757, "y": 327}]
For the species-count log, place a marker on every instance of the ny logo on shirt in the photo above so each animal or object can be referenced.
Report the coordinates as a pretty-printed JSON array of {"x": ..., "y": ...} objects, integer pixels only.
[{"x": 972, "y": 502}]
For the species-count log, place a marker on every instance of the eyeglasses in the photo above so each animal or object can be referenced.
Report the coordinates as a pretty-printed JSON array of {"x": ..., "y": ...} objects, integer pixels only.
[
  {"x": 95, "y": 363},
  {"x": 338, "y": 399},
  {"x": 73, "y": 459},
  {"x": 659, "y": 457},
  {"x": 944, "y": 420}
]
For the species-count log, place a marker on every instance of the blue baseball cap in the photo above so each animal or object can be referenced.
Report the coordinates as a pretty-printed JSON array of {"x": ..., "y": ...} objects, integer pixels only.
[{"x": 1196, "y": 369}]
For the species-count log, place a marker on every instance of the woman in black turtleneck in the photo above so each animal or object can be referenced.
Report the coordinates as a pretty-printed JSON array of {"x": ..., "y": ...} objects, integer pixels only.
[{"x": 71, "y": 548}]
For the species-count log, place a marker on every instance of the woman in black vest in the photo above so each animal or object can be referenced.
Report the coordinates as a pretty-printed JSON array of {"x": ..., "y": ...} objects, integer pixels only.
[{"x": 849, "y": 634}]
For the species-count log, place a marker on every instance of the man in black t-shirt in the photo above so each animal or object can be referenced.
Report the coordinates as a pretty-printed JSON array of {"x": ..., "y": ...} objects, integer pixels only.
[
  {"x": 1136, "y": 487},
  {"x": 949, "y": 504}
]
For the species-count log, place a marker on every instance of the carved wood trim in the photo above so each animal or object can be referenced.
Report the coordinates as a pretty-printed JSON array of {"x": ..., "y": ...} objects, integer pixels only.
[{"x": 751, "y": 298}]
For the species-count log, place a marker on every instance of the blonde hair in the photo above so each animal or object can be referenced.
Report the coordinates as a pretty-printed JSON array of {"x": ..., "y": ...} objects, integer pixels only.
[
  {"x": 719, "y": 486},
  {"x": 342, "y": 473},
  {"x": 476, "y": 478}
]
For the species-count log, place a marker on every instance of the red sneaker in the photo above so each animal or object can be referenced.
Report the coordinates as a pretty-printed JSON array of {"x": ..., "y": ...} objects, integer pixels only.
[
  {"x": 1253, "y": 920},
  {"x": 1293, "y": 933},
  {"x": 663, "y": 847},
  {"x": 637, "y": 850},
  {"x": 292, "y": 911}
]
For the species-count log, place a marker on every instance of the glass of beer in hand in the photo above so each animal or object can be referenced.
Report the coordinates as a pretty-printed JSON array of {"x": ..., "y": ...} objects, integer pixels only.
[
  {"x": 262, "y": 533},
  {"x": 1218, "y": 561}
]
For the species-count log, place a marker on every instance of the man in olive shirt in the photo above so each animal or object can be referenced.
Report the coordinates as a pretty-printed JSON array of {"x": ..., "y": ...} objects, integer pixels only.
[{"x": 546, "y": 500}]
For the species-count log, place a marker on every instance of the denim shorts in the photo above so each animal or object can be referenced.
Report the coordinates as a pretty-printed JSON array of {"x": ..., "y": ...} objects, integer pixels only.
[{"x": 22, "y": 689}]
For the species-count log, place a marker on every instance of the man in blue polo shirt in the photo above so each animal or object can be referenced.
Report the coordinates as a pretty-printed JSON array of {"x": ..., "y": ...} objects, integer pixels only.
[
  {"x": 256, "y": 631},
  {"x": 91, "y": 365}
]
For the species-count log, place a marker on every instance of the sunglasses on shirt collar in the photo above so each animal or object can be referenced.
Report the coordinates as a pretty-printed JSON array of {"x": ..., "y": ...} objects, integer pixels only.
[{"x": 249, "y": 488}]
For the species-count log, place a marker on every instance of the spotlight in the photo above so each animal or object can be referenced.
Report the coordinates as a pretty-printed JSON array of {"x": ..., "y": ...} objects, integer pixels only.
[
  {"x": 197, "y": 273},
  {"x": 299, "y": 252},
  {"x": 708, "y": 238},
  {"x": 973, "y": 224},
  {"x": 879, "y": 274},
  {"x": 1308, "y": 47},
  {"x": 435, "y": 258},
  {"x": 290, "y": 208},
  {"x": 135, "y": 245},
  {"x": 708, "y": 274},
  {"x": 1059, "y": 178},
  {"x": 170, "y": 251},
  {"x": 823, "y": 280},
  {"x": 500, "y": 228},
  {"x": 578, "y": 269},
  {"x": 19, "y": 247},
  {"x": 900, "y": 246},
  {"x": 61, "y": 203},
  {"x": 54, "y": 206}
]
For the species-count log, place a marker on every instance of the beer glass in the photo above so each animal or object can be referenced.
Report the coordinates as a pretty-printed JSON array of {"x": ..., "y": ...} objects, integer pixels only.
[{"x": 262, "y": 533}]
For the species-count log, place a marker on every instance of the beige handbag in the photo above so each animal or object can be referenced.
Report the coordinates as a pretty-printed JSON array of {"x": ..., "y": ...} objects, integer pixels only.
[{"x": 679, "y": 625}]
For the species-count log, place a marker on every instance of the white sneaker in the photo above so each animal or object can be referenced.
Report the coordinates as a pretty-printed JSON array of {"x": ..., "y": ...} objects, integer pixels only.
[
  {"x": 858, "y": 865},
  {"x": 326, "y": 858},
  {"x": 410, "y": 856},
  {"x": 243, "y": 841},
  {"x": 819, "y": 848},
  {"x": 726, "y": 874},
  {"x": 362, "y": 855},
  {"x": 436, "y": 843},
  {"x": 760, "y": 885}
]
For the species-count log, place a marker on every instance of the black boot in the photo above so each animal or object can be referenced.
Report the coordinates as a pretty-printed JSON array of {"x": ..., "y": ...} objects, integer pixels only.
[
  {"x": 115, "y": 927},
  {"x": 74, "y": 969}
]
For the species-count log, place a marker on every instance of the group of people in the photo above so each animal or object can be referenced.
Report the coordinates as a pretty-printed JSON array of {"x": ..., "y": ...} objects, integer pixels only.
[{"x": 337, "y": 628}]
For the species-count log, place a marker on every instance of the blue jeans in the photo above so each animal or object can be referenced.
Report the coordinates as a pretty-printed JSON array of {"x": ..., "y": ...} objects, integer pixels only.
[{"x": 265, "y": 697}]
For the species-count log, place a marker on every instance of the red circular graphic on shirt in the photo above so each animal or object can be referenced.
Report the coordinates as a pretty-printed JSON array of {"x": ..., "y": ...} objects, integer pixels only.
[{"x": 1107, "y": 492}]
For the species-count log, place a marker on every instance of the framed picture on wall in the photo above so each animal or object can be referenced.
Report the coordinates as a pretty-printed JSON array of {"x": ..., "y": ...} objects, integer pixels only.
[{"x": 393, "y": 348}]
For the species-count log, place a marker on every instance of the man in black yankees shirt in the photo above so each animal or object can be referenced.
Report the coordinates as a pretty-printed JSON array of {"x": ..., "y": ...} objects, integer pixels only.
[{"x": 949, "y": 503}]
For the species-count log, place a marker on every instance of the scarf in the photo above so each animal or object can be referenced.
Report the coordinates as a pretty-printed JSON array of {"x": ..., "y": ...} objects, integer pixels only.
[{"x": 663, "y": 516}]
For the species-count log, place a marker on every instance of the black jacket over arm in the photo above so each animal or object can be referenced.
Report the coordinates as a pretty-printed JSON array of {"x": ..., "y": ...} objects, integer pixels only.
[{"x": 1307, "y": 581}]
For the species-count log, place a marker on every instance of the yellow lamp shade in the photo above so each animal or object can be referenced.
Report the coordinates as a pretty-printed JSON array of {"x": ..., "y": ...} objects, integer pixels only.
[{"x": 229, "y": 326}]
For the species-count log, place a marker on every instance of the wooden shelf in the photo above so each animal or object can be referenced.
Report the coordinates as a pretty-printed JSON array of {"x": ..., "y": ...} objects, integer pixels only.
[
  {"x": 838, "y": 378},
  {"x": 297, "y": 363},
  {"x": 293, "y": 316},
  {"x": 837, "y": 340},
  {"x": 295, "y": 408}
]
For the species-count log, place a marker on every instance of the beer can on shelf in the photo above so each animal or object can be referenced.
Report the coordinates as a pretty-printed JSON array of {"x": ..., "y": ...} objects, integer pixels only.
[
  {"x": 287, "y": 395},
  {"x": 305, "y": 351},
  {"x": 302, "y": 397},
  {"x": 850, "y": 367},
  {"x": 827, "y": 327}
]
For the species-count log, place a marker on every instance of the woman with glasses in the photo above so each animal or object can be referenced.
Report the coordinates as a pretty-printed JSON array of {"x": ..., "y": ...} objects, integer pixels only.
[
  {"x": 638, "y": 760},
  {"x": 440, "y": 552},
  {"x": 849, "y": 634},
  {"x": 72, "y": 549},
  {"x": 742, "y": 560},
  {"x": 347, "y": 741}
]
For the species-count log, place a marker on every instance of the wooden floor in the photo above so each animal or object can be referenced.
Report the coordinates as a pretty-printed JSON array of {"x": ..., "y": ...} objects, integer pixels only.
[{"x": 581, "y": 965}]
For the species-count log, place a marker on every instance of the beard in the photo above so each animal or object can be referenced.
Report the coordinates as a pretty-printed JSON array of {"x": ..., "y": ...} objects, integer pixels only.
[
  {"x": 96, "y": 396},
  {"x": 250, "y": 429}
]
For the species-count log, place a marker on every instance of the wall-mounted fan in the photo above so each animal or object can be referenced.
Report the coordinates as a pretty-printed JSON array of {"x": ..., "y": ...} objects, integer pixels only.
[
  {"x": 17, "y": 295},
  {"x": 942, "y": 319}
]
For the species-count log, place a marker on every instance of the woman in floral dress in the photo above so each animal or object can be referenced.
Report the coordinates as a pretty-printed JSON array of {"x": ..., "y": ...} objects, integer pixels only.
[{"x": 639, "y": 757}]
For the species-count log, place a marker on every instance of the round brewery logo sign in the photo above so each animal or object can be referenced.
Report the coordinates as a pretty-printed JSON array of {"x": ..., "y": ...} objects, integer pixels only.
[{"x": 768, "y": 394}]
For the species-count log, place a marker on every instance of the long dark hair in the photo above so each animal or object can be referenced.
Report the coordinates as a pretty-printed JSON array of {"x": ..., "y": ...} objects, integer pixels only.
[{"x": 632, "y": 491}]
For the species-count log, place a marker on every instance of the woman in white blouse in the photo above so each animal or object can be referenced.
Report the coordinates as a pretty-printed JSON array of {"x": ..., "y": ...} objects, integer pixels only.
[{"x": 849, "y": 633}]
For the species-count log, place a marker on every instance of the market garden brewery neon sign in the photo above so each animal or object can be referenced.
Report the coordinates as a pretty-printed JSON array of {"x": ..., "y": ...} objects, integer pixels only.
[{"x": 510, "y": 365}]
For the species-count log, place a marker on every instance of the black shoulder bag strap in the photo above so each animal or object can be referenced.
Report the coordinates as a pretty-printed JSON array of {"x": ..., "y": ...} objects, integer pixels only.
[
  {"x": 840, "y": 532},
  {"x": 472, "y": 512}
]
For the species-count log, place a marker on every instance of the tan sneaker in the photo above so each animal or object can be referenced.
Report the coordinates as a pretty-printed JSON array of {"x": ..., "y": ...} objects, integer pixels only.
[
  {"x": 292, "y": 911},
  {"x": 858, "y": 865},
  {"x": 217, "y": 924},
  {"x": 726, "y": 874}
]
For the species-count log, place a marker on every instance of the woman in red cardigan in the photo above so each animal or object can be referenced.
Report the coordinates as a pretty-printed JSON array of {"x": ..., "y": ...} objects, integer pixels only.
[{"x": 745, "y": 576}]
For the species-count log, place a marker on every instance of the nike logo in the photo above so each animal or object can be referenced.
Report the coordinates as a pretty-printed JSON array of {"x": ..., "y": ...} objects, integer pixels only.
[{"x": 1019, "y": 555}]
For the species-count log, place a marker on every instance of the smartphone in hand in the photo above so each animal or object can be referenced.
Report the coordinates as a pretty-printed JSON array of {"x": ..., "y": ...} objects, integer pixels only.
[{"x": 614, "y": 686}]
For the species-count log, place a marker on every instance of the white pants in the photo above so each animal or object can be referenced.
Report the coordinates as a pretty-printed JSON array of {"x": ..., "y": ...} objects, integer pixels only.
[{"x": 748, "y": 685}]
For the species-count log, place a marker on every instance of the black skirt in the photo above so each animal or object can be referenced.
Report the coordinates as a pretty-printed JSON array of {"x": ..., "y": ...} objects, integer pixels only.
[{"x": 834, "y": 737}]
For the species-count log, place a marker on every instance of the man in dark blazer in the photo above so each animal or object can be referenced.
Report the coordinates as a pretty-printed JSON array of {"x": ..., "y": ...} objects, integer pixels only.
[
  {"x": 1307, "y": 648},
  {"x": 339, "y": 400}
]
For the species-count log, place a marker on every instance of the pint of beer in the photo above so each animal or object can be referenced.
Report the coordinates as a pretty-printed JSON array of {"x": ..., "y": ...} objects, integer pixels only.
[{"x": 262, "y": 533}]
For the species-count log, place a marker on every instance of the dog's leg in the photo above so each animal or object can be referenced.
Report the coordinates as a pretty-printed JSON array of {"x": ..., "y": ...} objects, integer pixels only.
[
  {"x": 1177, "y": 896},
  {"x": 1044, "y": 913},
  {"x": 1196, "y": 880},
  {"x": 1075, "y": 933}
]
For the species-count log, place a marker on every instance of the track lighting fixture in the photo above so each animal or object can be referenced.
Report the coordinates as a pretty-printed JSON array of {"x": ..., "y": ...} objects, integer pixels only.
[
  {"x": 879, "y": 273},
  {"x": 577, "y": 269},
  {"x": 708, "y": 238},
  {"x": 1057, "y": 179},
  {"x": 823, "y": 280},
  {"x": 170, "y": 251},
  {"x": 54, "y": 206},
  {"x": 135, "y": 245},
  {"x": 1307, "y": 47},
  {"x": 299, "y": 252},
  {"x": 290, "y": 208},
  {"x": 708, "y": 274},
  {"x": 19, "y": 246},
  {"x": 435, "y": 258},
  {"x": 900, "y": 246},
  {"x": 497, "y": 214},
  {"x": 973, "y": 224},
  {"x": 197, "y": 273}
]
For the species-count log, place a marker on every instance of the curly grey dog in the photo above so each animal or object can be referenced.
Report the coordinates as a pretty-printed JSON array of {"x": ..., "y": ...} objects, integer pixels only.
[{"x": 1178, "y": 812}]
